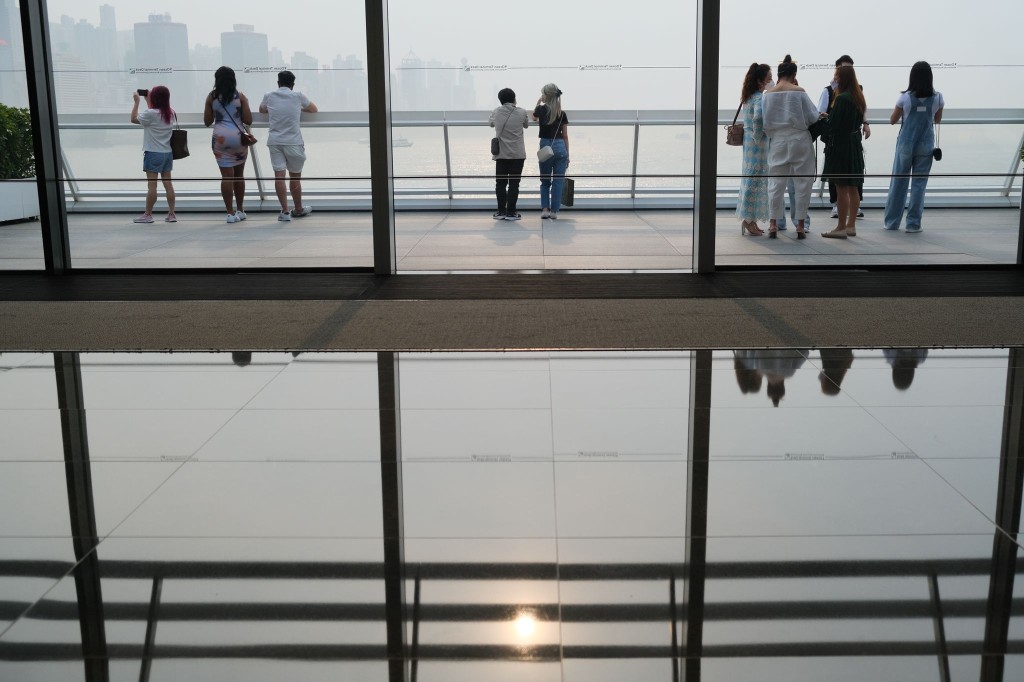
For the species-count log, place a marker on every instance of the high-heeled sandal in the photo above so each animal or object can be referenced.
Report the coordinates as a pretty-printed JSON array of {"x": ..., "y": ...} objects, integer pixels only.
[
  {"x": 773, "y": 234},
  {"x": 752, "y": 229},
  {"x": 801, "y": 234},
  {"x": 838, "y": 233}
]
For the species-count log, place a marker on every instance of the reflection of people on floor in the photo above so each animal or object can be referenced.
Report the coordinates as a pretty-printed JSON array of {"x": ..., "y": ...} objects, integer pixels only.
[
  {"x": 748, "y": 379},
  {"x": 904, "y": 361},
  {"x": 834, "y": 364},
  {"x": 775, "y": 366},
  {"x": 241, "y": 358}
]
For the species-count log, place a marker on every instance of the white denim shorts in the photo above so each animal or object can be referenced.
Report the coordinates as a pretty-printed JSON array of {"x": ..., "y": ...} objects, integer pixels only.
[{"x": 290, "y": 157}]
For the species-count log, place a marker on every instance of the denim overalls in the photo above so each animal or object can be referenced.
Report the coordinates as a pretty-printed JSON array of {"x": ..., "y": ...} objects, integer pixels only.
[{"x": 913, "y": 157}]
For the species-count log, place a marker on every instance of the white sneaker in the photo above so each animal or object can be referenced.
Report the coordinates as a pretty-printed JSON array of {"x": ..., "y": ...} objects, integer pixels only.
[
  {"x": 554, "y": 215},
  {"x": 240, "y": 216},
  {"x": 144, "y": 218},
  {"x": 545, "y": 214},
  {"x": 306, "y": 210},
  {"x": 233, "y": 218},
  {"x": 835, "y": 211},
  {"x": 284, "y": 217}
]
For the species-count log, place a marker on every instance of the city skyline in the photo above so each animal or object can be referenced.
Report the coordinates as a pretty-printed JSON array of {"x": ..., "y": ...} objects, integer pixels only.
[
  {"x": 161, "y": 47},
  {"x": 618, "y": 60}
]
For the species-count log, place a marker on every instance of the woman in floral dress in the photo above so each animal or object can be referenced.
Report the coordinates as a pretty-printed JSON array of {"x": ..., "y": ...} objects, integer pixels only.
[
  {"x": 753, "y": 199},
  {"x": 227, "y": 110}
]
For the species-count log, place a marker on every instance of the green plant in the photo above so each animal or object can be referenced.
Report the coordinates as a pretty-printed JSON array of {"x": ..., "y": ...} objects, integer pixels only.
[{"x": 17, "y": 159}]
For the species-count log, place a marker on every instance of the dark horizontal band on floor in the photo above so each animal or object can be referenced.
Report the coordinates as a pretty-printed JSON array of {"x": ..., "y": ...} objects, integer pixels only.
[{"x": 281, "y": 286}]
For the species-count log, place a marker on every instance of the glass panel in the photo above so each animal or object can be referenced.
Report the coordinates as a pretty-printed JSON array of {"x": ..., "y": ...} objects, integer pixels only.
[
  {"x": 103, "y": 56},
  {"x": 614, "y": 83},
  {"x": 979, "y": 134},
  {"x": 21, "y": 239}
]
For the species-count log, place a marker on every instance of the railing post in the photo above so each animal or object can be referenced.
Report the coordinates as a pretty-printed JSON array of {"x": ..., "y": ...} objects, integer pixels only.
[
  {"x": 636, "y": 151},
  {"x": 448, "y": 165}
]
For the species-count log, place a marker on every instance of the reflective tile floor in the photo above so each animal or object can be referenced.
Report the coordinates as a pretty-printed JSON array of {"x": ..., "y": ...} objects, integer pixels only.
[
  {"x": 774, "y": 515},
  {"x": 471, "y": 240}
]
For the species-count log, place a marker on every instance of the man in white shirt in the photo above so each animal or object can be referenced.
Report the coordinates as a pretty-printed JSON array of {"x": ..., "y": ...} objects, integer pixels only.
[{"x": 287, "y": 150}]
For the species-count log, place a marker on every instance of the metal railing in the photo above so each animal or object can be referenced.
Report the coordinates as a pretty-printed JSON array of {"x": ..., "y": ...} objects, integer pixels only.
[{"x": 84, "y": 193}]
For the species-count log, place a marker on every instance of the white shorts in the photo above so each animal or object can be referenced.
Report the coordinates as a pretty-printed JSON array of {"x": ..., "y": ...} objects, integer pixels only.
[{"x": 290, "y": 157}]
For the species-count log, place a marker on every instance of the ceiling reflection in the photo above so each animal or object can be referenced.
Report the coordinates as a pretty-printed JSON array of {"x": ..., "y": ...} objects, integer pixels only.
[{"x": 784, "y": 514}]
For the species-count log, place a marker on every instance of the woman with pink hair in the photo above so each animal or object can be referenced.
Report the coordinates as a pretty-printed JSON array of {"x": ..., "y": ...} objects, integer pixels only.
[{"x": 157, "y": 122}]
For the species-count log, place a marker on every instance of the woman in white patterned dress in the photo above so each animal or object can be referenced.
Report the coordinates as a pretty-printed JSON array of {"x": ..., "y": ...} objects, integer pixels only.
[{"x": 753, "y": 198}]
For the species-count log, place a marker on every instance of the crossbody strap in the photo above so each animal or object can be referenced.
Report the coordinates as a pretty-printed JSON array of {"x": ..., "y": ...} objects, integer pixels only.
[
  {"x": 561, "y": 117},
  {"x": 737, "y": 113},
  {"x": 506, "y": 121},
  {"x": 228, "y": 112}
]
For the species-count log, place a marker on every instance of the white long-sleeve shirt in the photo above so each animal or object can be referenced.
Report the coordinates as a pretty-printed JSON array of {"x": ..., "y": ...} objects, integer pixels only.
[{"x": 787, "y": 110}]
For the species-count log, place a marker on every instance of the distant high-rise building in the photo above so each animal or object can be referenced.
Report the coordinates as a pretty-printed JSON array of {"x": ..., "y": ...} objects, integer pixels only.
[
  {"x": 307, "y": 74},
  {"x": 248, "y": 53},
  {"x": 349, "y": 84},
  {"x": 412, "y": 83},
  {"x": 277, "y": 58},
  {"x": 465, "y": 91},
  {"x": 440, "y": 86},
  {"x": 162, "y": 56},
  {"x": 73, "y": 83},
  {"x": 13, "y": 89},
  {"x": 108, "y": 20}
]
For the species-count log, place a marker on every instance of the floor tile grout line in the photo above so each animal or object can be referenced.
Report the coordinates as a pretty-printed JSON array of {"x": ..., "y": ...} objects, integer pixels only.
[
  {"x": 52, "y": 587},
  {"x": 554, "y": 505},
  {"x": 925, "y": 462}
]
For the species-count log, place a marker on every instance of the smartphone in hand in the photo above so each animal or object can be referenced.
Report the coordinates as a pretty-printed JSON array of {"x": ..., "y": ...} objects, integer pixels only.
[{"x": 142, "y": 92}]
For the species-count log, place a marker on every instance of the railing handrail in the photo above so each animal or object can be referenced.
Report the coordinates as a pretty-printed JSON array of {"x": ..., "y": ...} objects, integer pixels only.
[{"x": 474, "y": 118}]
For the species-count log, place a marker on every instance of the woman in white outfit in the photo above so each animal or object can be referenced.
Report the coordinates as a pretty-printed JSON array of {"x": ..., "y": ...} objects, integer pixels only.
[{"x": 788, "y": 114}]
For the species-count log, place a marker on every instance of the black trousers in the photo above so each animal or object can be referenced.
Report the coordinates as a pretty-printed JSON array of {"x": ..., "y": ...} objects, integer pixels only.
[{"x": 509, "y": 172}]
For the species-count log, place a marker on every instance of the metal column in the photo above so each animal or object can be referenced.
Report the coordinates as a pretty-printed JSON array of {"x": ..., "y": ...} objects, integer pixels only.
[
  {"x": 698, "y": 460},
  {"x": 1004, "y": 546},
  {"x": 394, "y": 531},
  {"x": 53, "y": 215},
  {"x": 705, "y": 181},
  {"x": 83, "y": 515},
  {"x": 382, "y": 180}
]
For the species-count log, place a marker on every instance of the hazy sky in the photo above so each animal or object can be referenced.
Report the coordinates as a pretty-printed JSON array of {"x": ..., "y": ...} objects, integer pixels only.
[{"x": 884, "y": 37}]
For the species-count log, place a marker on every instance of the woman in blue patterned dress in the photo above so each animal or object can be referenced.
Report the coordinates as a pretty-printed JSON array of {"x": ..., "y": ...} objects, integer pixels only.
[
  {"x": 753, "y": 199},
  {"x": 227, "y": 110}
]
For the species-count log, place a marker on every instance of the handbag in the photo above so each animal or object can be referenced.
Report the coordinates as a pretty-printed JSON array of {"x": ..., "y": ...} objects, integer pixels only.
[
  {"x": 937, "y": 151},
  {"x": 546, "y": 152},
  {"x": 568, "y": 192},
  {"x": 247, "y": 138},
  {"x": 179, "y": 141},
  {"x": 820, "y": 128},
  {"x": 495, "y": 145},
  {"x": 734, "y": 132}
]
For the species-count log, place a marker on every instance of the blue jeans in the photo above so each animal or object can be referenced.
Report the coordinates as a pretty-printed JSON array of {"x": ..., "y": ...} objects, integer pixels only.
[
  {"x": 792, "y": 208},
  {"x": 552, "y": 174},
  {"x": 914, "y": 158}
]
